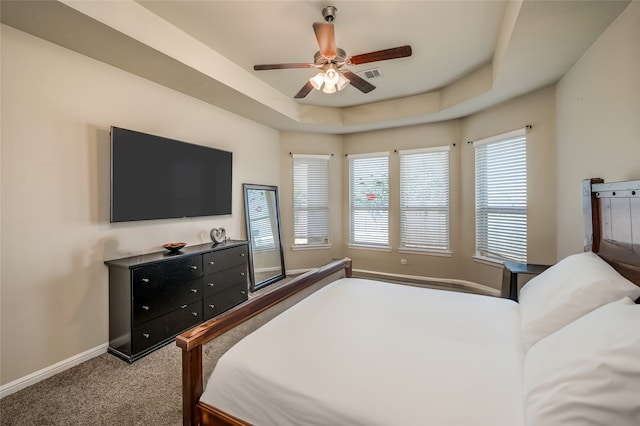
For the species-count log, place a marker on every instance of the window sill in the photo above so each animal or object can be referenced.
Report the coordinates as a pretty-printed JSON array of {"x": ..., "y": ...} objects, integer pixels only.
[
  {"x": 372, "y": 248},
  {"x": 425, "y": 252},
  {"x": 311, "y": 247}
]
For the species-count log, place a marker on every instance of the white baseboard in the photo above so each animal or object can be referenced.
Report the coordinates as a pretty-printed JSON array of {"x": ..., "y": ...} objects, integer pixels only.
[
  {"x": 419, "y": 279},
  {"x": 52, "y": 370},
  {"x": 297, "y": 271},
  {"x": 426, "y": 280}
]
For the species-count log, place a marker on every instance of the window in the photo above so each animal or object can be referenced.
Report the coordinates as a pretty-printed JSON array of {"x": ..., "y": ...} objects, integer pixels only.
[
  {"x": 311, "y": 200},
  {"x": 369, "y": 200},
  {"x": 424, "y": 199},
  {"x": 501, "y": 197}
]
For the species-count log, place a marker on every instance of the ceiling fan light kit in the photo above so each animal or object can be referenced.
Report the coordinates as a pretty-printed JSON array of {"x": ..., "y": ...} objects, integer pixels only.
[
  {"x": 329, "y": 80},
  {"x": 330, "y": 60},
  {"x": 317, "y": 80}
]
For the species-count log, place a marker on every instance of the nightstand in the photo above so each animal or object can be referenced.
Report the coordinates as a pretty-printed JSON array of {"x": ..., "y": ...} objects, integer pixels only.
[{"x": 510, "y": 276}]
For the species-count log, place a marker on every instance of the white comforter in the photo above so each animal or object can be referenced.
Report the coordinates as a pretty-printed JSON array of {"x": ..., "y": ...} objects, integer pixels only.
[{"x": 372, "y": 353}]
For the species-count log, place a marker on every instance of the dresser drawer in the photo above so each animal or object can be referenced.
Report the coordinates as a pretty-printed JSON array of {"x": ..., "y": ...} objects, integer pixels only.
[
  {"x": 167, "y": 326},
  {"x": 156, "y": 296},
  {"x": 149, "y": 278},
  {"x": 222, "y": 259},
  {"x": 232, "y": 277},
  {"x": 168, "y": 297},
  {"x": 224, "y": 300}
]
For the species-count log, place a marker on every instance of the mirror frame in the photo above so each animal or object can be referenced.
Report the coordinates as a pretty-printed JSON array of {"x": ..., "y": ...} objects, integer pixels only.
[{"x": 247, "y": 187}]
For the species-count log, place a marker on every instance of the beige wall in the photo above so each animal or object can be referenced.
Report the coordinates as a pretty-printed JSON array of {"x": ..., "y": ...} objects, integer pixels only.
[
  {"x": 536, "y": 109},
  {"x": 57, "y": 107},
  {"x": 438, "y": 134},
  {"x": 598, "y": 115}
]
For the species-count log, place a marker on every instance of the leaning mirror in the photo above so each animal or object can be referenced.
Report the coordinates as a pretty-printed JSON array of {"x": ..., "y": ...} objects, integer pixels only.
[{"x": 262, "y": 215}]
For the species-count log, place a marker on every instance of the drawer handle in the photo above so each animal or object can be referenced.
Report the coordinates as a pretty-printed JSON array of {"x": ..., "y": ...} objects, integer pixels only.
[
  {"x": 242, "y": 274},
  {"x": 212, "y": 263},
  {"x": 195, "y": 314},
  {"x": 145, "y": 280},
  {"x": 210, "y": 284},
  {"x": 194, "y": 267},
  {"x": 145, "y": 307},
  {"x": 243, "y": 292},
  {"x": 145, "y": 335},
  {"x": 241, "y": 254},
  {"x": 183, "y": 306},
  {"x": 194, "y": 290},
  {"x": 212, "y": 306}
]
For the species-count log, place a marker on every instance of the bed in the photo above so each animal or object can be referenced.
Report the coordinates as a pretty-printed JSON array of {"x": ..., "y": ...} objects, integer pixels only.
[{"x": 367, "y": 352}]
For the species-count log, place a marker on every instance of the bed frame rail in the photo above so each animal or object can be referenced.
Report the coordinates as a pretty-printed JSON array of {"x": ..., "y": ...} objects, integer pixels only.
[{"x": 191, "y": 341}]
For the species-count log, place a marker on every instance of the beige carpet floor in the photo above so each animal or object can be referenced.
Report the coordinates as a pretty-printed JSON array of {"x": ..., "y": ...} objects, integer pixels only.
[{"x": 108, "y": 391}]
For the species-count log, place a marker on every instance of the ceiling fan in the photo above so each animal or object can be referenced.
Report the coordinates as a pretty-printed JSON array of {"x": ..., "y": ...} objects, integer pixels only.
[{"x": 330, "y": 60}]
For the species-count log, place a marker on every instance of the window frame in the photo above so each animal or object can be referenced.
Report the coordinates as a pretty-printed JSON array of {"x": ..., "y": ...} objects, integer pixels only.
[
  {"x": 320, "y": 205},
  {"x": 506, "y": 207},
  {"x": 369, "y": 196},
  {"x": 428, "y": 239}
]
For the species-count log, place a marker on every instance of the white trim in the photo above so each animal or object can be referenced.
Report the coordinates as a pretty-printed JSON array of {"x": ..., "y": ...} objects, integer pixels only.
[
  {"x": 426, "y": 280},
  {"x": 365, "y": 247},
  {"x": 444, "y": 148},
  {"x": 502, "y": 137},
  {"x": 310, "y": 247},
  {"x": 314, "y": 156},
  {"x": 298, "y": 271},
  {"x": 52, "y": 370},
  {"x": 426, "y": 252},
  {"x": 368, "y": 155}
]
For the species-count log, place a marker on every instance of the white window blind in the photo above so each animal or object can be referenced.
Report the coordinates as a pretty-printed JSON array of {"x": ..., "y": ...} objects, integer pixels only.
[
  {"x": 369, "y": 199},
  {"x": 501, "y": 197},
  {"x": 424, "y": 199},
  {"x": 311, "y": 199}
]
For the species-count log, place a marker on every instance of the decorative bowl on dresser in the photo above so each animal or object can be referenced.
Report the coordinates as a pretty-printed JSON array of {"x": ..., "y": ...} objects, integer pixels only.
[{"x": 154, "y": 297}]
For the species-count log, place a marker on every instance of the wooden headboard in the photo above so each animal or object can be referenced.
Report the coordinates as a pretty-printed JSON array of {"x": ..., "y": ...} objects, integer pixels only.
[{"x": 612, "y": 224}]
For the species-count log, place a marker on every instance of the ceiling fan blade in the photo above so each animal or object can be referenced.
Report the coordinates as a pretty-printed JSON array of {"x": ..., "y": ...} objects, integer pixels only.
[
  {"x": 358, "y": 82},
  {"x": 304, "y": 91},
  {"x": 326, "y": 39},
  {"x": 382, "y": 55},
  {"x": 281, "y": 66}
]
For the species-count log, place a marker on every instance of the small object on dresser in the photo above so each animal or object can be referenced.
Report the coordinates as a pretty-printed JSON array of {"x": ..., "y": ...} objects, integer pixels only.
[
  {"x": 218, "y": 235},
  {"x": 174, "y": 247}
]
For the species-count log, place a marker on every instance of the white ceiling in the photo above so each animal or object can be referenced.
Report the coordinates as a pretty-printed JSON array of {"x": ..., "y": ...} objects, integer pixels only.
[
  {"x": 449, "y": 40},
  {"x": 467, "y": 55}
]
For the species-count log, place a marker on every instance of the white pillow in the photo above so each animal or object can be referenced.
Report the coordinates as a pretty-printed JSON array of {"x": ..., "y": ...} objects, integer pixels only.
[
  {"x": 569, "y": 289},
  {"x": 587, "y": 373}
]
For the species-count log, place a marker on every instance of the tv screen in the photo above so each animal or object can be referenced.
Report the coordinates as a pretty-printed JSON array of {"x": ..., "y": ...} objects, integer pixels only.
[{"x": 158, "y": 178}]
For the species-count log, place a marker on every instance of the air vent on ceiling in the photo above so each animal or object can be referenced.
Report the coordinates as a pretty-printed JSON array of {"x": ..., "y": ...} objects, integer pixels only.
[{"x": 372, "y": 73}]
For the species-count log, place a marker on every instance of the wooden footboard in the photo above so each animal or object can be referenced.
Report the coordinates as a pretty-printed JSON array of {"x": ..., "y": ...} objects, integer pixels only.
[{"x": 191, "y": 341}]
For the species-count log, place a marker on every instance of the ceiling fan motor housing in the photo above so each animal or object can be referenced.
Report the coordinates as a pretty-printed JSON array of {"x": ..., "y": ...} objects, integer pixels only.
[
  {"x": 329, "y": 13},
  {"x": 341, "y": 56}
]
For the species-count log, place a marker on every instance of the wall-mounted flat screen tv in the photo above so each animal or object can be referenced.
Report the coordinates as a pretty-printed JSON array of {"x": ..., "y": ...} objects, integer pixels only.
[{"x": 158, "y": 178}]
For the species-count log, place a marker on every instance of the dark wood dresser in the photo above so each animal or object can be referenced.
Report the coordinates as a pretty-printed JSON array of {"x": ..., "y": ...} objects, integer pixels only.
[{"x": 154, "y": 297}]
